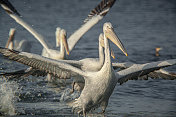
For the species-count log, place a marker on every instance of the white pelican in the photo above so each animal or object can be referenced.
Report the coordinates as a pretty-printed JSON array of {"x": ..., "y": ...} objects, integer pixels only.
[
  {"x": 8, "y": 7},
  {"x": 23, "y": 45},
  {"x": 98, "y": 85},
  {"x": 87, "y": 64},
  {"x": 94, "y": 17}
]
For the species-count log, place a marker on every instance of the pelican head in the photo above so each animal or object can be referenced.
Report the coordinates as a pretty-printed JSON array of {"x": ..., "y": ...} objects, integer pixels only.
[
  {"x": 110, "y": 34},
  {"x": 63, "y": 36},
  {"x": 101, "y": 40},
  {"x": 58, "y": 29}
]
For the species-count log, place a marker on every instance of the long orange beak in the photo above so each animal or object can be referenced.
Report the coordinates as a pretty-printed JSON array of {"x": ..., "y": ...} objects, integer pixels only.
[
  {"x": 11, "y": 37},
  {"x": 102, "y": 44},
  {"x": 64, "y": 40},
  {"x": 110, "y": 34}
]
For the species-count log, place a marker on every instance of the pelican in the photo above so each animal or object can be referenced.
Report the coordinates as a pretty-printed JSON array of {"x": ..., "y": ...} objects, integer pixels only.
[
  {"x": 94, "y": 17},
  {"x": 99, "y": 85},
  {"x": 87, "y": 64},
  {"x": 8, "y": 7},
  {"x": 23, "y": 45}
]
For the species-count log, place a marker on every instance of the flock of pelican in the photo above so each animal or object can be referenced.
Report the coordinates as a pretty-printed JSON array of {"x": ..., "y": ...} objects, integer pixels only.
[{"x": 98, "y": 75}]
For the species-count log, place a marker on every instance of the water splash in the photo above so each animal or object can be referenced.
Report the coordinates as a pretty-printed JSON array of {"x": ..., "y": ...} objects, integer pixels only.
[
  {"x": 67, "y": 96},
  {"x": 9, "y": 94}
]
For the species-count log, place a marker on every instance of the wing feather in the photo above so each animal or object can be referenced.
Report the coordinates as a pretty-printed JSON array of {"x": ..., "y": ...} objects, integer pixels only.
[
  {"x": 41, "y": 63},
  {"x": 8, "y": 7},
  {"x": 101, "y": 9},
  {"x": 138, "y": 70}
]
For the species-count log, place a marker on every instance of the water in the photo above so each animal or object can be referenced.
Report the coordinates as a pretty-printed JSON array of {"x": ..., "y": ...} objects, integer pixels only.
[{"x": 141, "y": 25}]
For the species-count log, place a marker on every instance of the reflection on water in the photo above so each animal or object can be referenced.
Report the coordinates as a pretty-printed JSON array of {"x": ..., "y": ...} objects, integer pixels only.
[{"x": 141, "y": 25}]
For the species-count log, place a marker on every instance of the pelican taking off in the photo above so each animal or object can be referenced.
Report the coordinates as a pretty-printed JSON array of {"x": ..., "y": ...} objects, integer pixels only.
[
  {"x": 98, "y": 85},
  {"x": 94, "y": 17}
]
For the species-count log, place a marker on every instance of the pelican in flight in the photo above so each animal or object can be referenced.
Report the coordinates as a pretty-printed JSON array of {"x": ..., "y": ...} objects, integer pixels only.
[
  {"x": 94, "y": 17},
  {"x": 23, "y": 45},
  {"x": 99, "y": 85}
]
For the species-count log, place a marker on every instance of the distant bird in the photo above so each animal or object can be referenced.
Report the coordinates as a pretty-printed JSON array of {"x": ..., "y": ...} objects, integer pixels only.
[
  {"x": 23, "y": 45},
  {"x": 157, "y": 51},
  {"x": 98, "y": 85},
  {"x": 8, "y": 7}
]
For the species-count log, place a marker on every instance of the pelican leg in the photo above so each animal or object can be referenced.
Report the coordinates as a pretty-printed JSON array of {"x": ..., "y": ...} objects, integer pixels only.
[
  {"x": 73, "y": 85},
  {"x": 49, "y": 78},
  {"x": 104, "y": 104},
  {"x": 84, "y": 112}
]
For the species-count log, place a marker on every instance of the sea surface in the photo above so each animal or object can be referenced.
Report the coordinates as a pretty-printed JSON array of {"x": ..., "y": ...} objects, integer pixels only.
[{"x": 142, "y": 25}]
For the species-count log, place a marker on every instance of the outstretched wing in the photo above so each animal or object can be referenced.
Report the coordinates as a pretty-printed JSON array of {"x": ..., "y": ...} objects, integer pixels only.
[
  {"x": 101, "y": 9},
  {"x": 53, "y": 67},
  {"x": 37, "y": 72},
  {"x": 8, "y": 7},
  {"x": 138, "y": 70},
  {"x": 122, "y": 65},
  {"x": 93, "y": 18},
  {"x": 23, "y": 73},
  {"x": 162, "y": 74}
]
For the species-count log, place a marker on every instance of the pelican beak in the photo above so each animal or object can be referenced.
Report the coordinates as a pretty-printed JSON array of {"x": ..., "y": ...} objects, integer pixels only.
[
  {"x": 11, "y": 37},
  {"x": 65, "y": 44},
  {"x": 112, "y": 52},
  {"x": 110, "y": 34}
]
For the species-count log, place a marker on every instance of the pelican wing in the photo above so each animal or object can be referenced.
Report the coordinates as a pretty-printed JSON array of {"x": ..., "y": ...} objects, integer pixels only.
[
  {"x": 101, "y": 9},
  {"x": 138, "y": 70},
  {"x": 122, "y": 65},
  {"x": 26, "y": 26},
  {"x": 37, "y": 72},
  {"x": 23, "y": 73},
  {"x": 162, "y": 74},
  {"x": 8, "y": 7},
  {"x": 53, "y": 67},
  {"x": 93, "y": 18}
]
